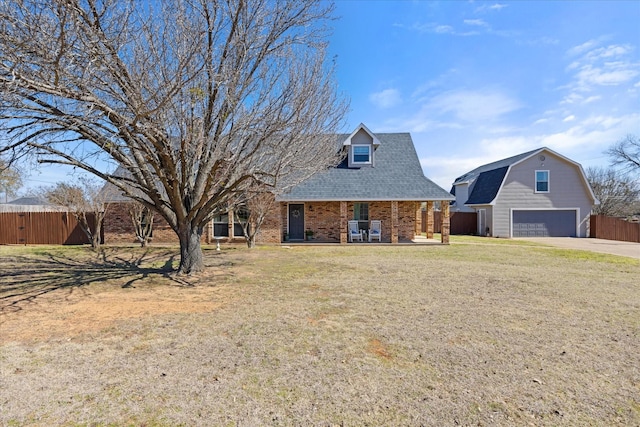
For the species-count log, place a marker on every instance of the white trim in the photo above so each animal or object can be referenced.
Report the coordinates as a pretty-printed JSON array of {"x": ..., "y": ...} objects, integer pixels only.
[
  {"x": 577, "y": 211},
  {"x": 535, "y": 181},
  {"x": 352, "y": 154},
  {"x": 213, "y": 226},
  {"x": 566, "y": 159},
  {"x": 535, "y": 153},
  {"x": 347, "y": 141}
]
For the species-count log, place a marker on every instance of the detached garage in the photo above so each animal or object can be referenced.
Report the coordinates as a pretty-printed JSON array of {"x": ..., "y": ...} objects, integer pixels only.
[
  {"x": 544, "y": 223},
  {"x": 539, "y": 193}
]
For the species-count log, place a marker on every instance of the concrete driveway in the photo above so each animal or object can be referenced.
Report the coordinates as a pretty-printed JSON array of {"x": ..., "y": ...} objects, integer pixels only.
[{"x": 613, "y": 247}]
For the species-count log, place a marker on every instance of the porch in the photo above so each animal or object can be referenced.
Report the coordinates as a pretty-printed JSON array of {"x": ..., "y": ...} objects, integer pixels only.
[{"x": 327, "y": 222}]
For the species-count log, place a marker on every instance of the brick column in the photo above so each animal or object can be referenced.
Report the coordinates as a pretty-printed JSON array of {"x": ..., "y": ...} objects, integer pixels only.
[
  {"x": 418, "y": 228},
  {"x": 343, "y": 223},
  {"x": 230, "y": 225},
  {"x": 430, "y": 220},
  {"x": 446, "y": 225},
  {"x": 394, "y": 222}
]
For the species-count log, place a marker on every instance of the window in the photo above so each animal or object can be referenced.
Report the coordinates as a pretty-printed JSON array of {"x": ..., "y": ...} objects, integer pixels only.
[
  {"x": 361, "y": 154},
  {"x": 361, "y": 213},
  {"x": 221, "y": 225},
  {"x": 542, "y": 181}
]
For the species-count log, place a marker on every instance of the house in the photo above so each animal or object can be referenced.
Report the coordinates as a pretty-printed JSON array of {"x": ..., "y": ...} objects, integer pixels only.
[
  {"x": 380, "y": 178},
  {"x": 539, "y": 193}
]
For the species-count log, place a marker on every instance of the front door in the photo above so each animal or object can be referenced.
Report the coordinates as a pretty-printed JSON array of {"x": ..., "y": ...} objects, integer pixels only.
[{"x": 296, "y": 222}]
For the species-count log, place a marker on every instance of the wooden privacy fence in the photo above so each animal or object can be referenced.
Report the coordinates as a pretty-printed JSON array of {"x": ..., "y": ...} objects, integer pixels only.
[
  {"x": 47, "y": 228},
  {"x": 461, "y": 223},
  {"x": 606, "y": 227}
]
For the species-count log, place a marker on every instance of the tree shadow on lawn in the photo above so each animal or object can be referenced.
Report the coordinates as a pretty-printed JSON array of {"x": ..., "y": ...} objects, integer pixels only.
[{"x": 24, "y": 279}]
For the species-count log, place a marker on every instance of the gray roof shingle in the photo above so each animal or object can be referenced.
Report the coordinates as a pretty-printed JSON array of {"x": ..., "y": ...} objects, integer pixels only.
[
  {"x": 396, "y": 175},
  {"x": 487, "y": 186},
  {"x": 494, "y": 165},
  {"x": 488, "y": 178}
]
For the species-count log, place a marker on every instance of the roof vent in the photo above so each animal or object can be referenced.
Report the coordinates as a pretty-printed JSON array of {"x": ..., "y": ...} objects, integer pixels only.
[{"x": 541, "y": 158}]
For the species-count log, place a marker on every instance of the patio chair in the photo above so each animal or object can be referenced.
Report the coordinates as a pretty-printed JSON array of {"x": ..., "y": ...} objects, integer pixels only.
[
  {"x": 354, "y": 231},
  {"x": 375, "y": 232}
]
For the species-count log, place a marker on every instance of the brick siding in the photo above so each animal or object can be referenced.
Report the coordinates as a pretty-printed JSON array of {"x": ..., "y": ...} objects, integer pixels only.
[
  {"x": 323, "y": 218},
  {"x": 118, "y": 227}
]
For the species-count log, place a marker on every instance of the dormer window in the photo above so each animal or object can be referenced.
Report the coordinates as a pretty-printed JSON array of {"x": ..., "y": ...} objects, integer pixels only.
[
  {"x": 361, "y": 154},
  {"x": 361, "y": 146}
]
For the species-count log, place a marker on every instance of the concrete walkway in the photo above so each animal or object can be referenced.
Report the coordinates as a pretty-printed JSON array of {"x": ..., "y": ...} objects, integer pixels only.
[{"x": 613, "y": 247}]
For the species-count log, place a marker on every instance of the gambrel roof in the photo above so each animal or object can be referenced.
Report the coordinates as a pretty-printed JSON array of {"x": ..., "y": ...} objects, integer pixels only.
[
  {"x": 486, "y": 181},
  {"x": 396, "y": 175}
]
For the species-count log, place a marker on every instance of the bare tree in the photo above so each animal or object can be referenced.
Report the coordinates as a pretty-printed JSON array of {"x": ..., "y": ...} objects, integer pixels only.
[
  {"x": 195, "y": 100},
  {"x": 142, "y": 219},
  {"x": 626, "y": 154},
  {"x": 251, "y": 211},
  {"x": 10, "y": 180},
  {"x": 82, "y": 199},
  {"x": 618, "y": 193}
]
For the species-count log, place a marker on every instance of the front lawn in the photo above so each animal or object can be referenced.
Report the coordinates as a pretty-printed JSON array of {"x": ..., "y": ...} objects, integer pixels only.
[{"x": 466, "y": 334}]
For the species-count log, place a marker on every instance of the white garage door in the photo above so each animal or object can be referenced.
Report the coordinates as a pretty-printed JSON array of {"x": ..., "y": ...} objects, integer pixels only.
[{"x": 553, "y": 223}]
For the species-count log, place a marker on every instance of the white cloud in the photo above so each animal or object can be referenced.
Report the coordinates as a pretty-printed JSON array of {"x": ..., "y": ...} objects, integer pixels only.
[
  {"x": 569, "y": 118},
  {"x": 578, "y": 50},
  {"x": 608, "y": 52},
  {"x": 457, "y": 109},
  {"x": 386, "y": 99},
  {"x": 583, "y": 141},
  {"x": 476, "y": 22},
  {"x": 474, "y": 106},
  {"x": 602, "y": 66},
  {"x": 429, "y": 27},
  {"x": 611, "y": 74},
  {"x": 491, "y": 7},
  {"x": 433, "y": 27},
  {"x": 595, "y": 132},
  {"x": 591, "y": 99}
]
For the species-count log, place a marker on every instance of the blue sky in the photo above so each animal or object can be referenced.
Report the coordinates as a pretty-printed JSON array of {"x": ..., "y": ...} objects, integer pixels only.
[
  {"x": 475, "y": 82},
  {"x": 478, "y": 81}
]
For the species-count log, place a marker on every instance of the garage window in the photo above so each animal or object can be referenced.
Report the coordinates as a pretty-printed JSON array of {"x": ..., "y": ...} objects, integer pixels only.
[{"x": 542, "y": 181}]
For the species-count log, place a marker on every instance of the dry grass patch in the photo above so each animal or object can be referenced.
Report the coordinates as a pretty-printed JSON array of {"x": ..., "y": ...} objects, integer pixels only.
[{"x": 356, "y": 335}]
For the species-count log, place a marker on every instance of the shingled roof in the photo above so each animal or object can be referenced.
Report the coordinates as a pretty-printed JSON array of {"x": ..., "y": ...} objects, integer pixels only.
[
  {"x": 487, "y": 179},
  {"x": 469, "y": 176},
  {"x": 396, "y": 175}
]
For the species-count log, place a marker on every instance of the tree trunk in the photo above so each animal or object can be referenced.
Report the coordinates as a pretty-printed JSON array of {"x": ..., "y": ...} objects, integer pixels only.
[
  {"x": 251, "y": 241},
  {"x": 191, "y": 259},
  {"x": 95, "y": 237},
  {"x": 84, "y": 225}
]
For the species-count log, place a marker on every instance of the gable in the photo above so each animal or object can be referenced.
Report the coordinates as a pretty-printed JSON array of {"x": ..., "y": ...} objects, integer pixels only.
[
  {"x": 487, "y": 181},
  {"x": 566, "y": 179},
  {"x": 360, "y": 147},
  {"x": 396, "y": 175}
]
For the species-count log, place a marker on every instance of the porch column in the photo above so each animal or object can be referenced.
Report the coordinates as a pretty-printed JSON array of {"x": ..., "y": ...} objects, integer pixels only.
[
  {"x": 230, "y": 225},
  {"x": 343, "y": 223},
  {"x": 394, "y": 221},
  {"x": 430, "y": 222},
  {"x": 446, "y": 225},
  {"x": 418, "y": 221}
]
